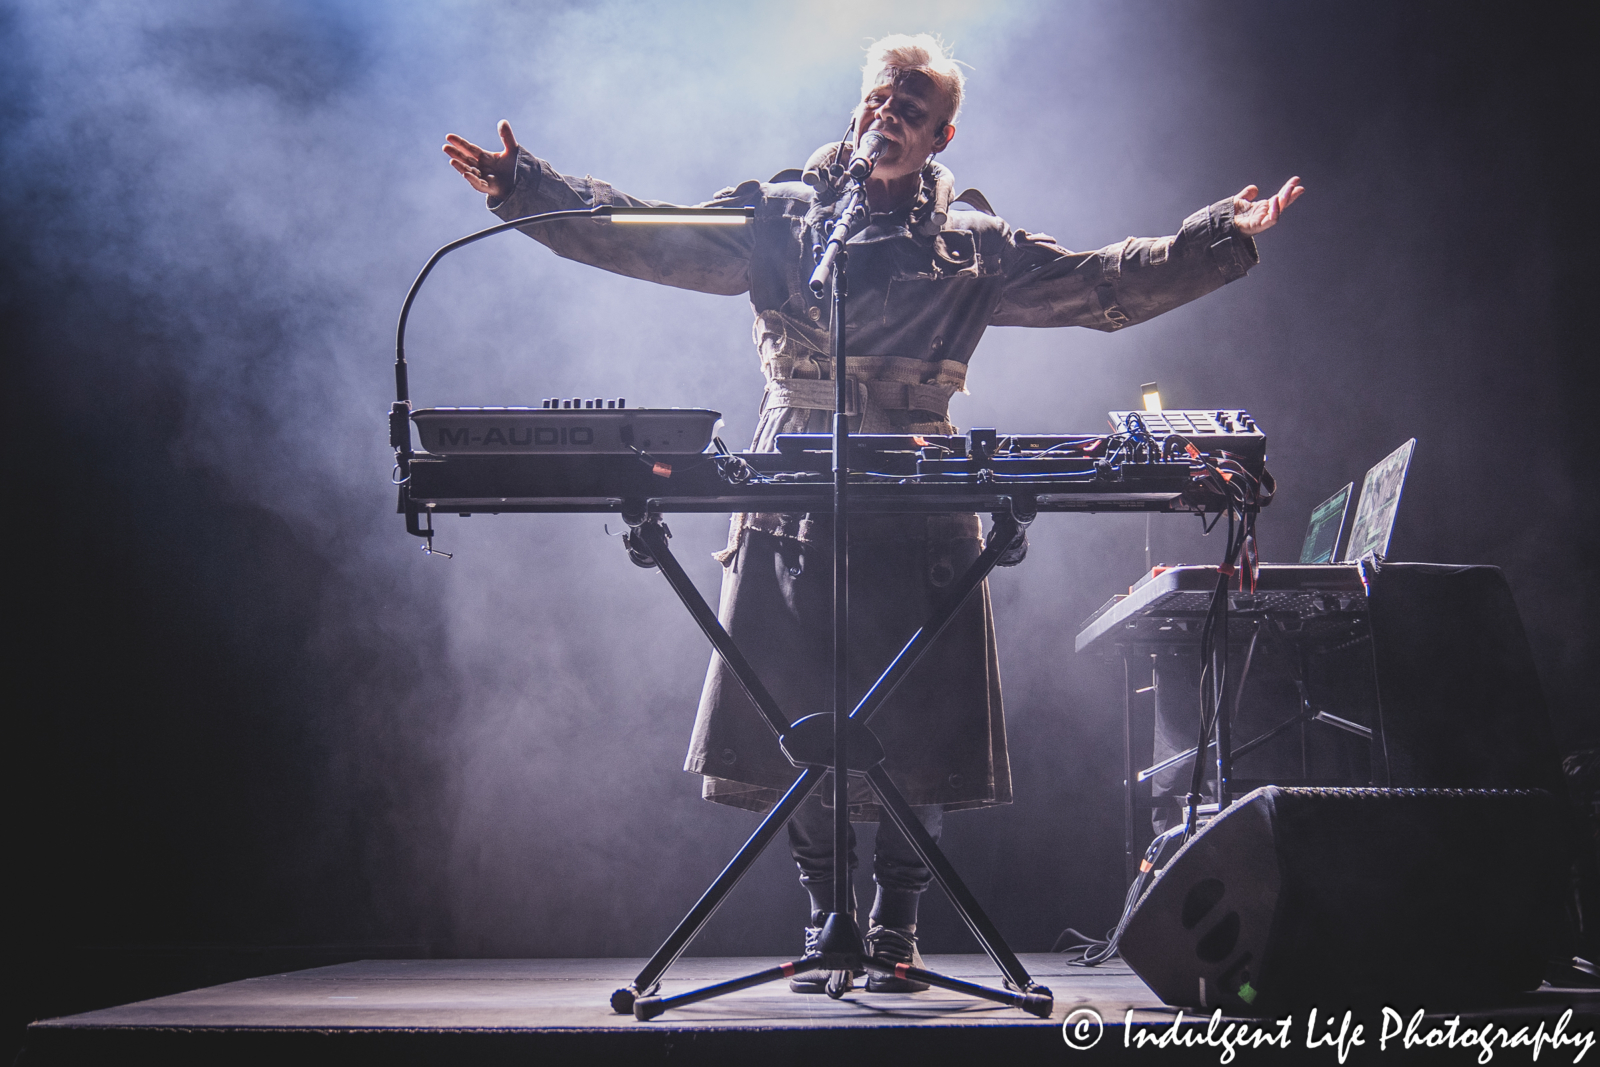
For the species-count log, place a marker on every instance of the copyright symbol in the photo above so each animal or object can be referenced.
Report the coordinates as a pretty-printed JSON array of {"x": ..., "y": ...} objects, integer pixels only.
[{"x": 1081, "y": 1029}]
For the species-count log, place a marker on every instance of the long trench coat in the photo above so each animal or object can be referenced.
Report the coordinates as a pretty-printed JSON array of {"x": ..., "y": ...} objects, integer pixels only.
[{"x": 924, "y": 285}]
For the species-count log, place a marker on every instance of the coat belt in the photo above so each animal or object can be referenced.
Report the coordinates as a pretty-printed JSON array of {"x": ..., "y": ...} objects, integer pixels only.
[{"x": 818, "y": 394}]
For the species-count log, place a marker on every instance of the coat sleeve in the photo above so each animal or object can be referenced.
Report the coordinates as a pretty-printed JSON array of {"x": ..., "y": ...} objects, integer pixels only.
[
  {"x": 1124, "y": 283},
  {"x": 707, "y": 259}
]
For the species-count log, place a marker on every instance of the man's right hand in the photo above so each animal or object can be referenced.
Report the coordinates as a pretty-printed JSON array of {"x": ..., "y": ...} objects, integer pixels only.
[{"x": 491, "y": 173}]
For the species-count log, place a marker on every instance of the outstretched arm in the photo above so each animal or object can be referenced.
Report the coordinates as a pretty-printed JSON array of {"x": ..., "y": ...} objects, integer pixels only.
[
  {"x": 1140, "y": 278},
  {"x": 708, "y": 259},
  {"x": 491, "y": 173}
]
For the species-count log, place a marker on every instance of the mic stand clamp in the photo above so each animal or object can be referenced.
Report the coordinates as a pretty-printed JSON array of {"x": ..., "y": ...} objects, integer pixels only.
[{"x": 852, "y": 216}]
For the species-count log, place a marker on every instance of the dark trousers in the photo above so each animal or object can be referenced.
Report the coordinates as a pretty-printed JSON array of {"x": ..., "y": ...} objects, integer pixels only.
[{"x": 896, "y": 867}]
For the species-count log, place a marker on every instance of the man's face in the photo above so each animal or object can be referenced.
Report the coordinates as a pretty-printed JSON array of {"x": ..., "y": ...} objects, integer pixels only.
[{"x": 908, "y": 109}]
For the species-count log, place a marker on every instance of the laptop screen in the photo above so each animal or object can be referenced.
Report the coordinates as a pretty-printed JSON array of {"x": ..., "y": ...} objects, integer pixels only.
[
  {"x": 1327, "y": 523},
  {"x": 1380, "y": 499}
]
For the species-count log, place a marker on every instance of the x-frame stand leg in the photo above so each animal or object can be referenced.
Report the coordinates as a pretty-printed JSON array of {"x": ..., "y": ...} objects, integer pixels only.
[{"x": 647, "y": 542}]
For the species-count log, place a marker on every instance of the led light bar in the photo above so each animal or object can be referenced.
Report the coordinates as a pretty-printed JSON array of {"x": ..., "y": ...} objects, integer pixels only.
[{"x": 694, "y": 216}]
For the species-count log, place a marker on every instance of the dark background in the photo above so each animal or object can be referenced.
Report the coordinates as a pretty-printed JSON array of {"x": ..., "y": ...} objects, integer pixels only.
[{"x": 252, "y": 728}]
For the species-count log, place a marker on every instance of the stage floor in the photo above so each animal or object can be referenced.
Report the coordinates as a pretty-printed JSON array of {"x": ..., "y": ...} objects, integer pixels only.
[{"x": 492, "y": 1010}]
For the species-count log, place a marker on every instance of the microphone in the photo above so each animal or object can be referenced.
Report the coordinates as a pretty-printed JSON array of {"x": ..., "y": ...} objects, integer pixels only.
[{"x": 873, "y": 145}]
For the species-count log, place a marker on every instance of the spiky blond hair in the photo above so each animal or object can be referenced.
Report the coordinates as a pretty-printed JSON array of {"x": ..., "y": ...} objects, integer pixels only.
[{"x": 920, "y": 52}]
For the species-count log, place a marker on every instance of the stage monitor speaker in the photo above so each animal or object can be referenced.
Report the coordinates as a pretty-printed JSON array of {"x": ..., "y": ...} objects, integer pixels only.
[{"x": 1339, "y": 898}]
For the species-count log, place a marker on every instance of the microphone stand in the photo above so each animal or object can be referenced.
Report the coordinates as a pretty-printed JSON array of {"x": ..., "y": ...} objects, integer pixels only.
[{"x": 841, "y": 947}]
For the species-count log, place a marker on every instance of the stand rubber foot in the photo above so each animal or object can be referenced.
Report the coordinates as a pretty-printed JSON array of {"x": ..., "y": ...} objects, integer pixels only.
[
  {"x": 622, "y": 1001},
  {"x": 647, "y": 1008},
  {"x": 1040, "y": 1002}
]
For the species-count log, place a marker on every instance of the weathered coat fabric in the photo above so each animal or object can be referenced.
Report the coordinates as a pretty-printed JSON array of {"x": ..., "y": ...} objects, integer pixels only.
[{"x": 924, "y": 285}]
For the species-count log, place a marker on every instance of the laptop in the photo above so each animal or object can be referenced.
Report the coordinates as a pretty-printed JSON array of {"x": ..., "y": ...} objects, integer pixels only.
[
  {"x": 1380, "y": 500},
  {"x": 1326, "y": 527},
  {"x": 1374, "y": 522}
]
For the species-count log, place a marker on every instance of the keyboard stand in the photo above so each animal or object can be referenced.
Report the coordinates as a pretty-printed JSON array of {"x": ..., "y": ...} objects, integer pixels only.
[{"x": 808, "y": 744}]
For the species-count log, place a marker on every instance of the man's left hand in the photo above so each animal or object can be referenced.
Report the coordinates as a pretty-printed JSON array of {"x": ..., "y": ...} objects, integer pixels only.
[{"x": 1251, "y": 216}]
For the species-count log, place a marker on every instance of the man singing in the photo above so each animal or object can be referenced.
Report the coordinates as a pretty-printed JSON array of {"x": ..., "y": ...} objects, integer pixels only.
[{"x": 928, "y": 274}]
